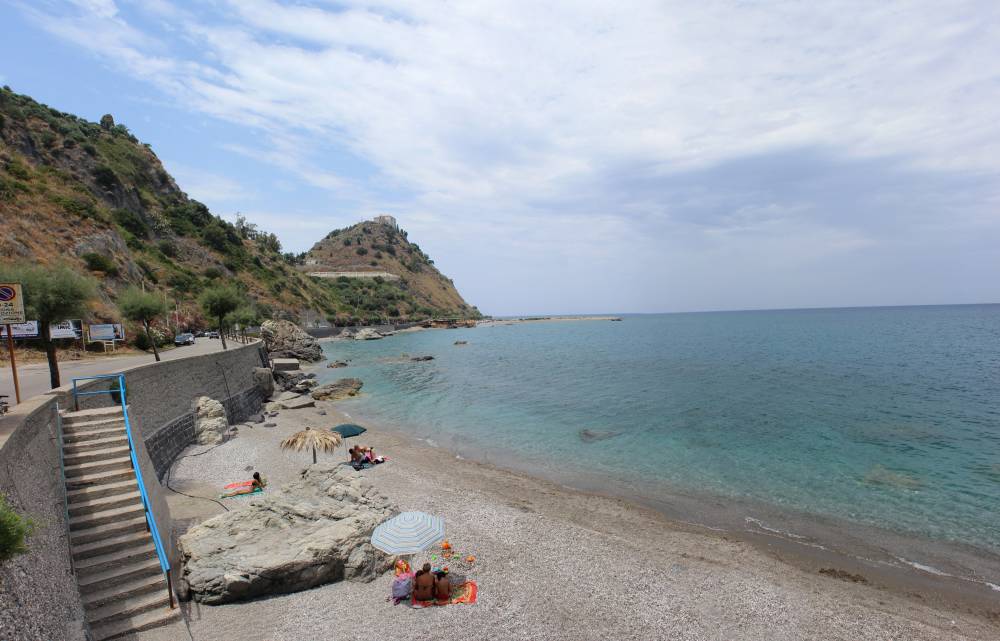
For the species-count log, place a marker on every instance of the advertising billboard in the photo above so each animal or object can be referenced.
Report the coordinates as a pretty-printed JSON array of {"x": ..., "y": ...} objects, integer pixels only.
[{"x": 106, "y": 332}]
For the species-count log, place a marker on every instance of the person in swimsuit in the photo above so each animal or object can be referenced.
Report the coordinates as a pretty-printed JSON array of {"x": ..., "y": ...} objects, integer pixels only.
[
  {"x": 257, "y": 484},
  {"x": 442, "y": 587},
  {"x": 423, "y": 584}
]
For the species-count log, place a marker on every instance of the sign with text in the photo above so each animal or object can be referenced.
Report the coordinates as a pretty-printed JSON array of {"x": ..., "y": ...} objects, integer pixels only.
[
  {"x": 107, "y": 332},
  {"x": 11, "y": 303},
  {"x": 66, "y": 329},
  {"x": 21, "y": 330}
]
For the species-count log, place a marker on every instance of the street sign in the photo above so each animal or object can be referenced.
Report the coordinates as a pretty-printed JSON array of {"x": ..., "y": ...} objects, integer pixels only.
[{"x": 11, "y": 303}]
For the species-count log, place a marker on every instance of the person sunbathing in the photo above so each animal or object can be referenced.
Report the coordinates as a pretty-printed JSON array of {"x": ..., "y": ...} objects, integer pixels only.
[
  {"x": 442, "y": 587},
  {"x": 257, "y": 484},
  {"x": 423, "y": 584}
]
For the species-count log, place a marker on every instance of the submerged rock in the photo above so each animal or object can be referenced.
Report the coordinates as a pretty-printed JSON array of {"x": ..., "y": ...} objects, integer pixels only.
[
  {"x": 422, "y": 358},
  {"x": 336, "y": 364},
  {"x": 210, "y": 421},
  {"x": 591, "y": 436},
  {"x": 310, "y": 532},
  {"x": 285, "y": 339},
  {"x": 461, "y": 342},
  {"x": 337, "y": 390}
]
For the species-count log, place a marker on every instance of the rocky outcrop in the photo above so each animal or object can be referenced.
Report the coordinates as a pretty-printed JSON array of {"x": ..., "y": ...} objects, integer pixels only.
[
  {"x": 367, "y": 334},
  {"x": 210, "y": 423},
  {"x": 285, "y": 339},
  {"x": 264, "y": 380},
  {"x": 297, "y": 381},
  {"x": 310, "y": 532},
  {"x": 336, "y": 364},
  {"x": 417, "y": 359},
  {"x": 337, "y": 390}
]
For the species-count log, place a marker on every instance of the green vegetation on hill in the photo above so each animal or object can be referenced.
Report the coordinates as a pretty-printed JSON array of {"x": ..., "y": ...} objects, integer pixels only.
[{"x": 91, "y": 196}]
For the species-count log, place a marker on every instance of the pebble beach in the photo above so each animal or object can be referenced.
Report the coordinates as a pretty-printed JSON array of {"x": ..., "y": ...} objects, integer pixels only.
[{"x": 550, "y": 562}]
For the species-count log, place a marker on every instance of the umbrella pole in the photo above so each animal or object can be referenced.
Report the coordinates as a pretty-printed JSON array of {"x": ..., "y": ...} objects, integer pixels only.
[{"x": 314, "y": 456}]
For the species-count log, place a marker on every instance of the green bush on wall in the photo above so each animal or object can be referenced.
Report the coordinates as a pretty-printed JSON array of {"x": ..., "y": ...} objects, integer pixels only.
[{"x": 14, "y": 529}]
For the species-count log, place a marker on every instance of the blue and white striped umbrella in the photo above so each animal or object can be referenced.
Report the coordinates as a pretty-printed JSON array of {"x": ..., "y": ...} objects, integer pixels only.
[{"x": 408, "y": 533}]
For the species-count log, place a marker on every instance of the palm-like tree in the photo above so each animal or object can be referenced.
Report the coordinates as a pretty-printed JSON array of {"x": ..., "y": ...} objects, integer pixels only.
[{"x": 312, "y": 439}]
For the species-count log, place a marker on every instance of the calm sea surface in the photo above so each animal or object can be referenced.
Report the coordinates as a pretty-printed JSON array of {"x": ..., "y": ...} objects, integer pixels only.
[{"x": 888, "y": 417}]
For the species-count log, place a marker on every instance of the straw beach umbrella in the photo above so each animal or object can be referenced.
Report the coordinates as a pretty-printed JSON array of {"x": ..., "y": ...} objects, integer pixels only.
[
  {"x": 312, "y": 439},
  {"x": 408, "y": 533}
]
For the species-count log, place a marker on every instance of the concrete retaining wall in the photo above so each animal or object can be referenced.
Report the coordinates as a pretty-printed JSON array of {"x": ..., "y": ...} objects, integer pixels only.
[{"x": 38, "y": 594}]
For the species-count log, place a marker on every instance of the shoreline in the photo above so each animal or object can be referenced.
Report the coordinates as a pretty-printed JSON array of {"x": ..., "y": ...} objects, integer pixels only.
[
  {"x": 812, "y": 543},
  {"x": 543, "y": 551}
]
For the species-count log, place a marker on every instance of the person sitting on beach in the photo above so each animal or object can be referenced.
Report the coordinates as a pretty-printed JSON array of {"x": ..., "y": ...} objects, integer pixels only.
[
  {"x": 442, "y": 587},
  {"x": 423, "y": 584}
]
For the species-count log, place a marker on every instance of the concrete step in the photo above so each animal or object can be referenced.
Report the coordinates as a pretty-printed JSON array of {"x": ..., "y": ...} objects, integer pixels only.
[
  {"x": 94, "y": 480},
  {"x": 113, "y": 439},
  {"x": 105, "y": 517},
  {"x": 109, "y": 545},
  {"x": 91, "y": 492},
  {"x": 93, "y": 435},
  {"x": 106, "y": 503},
  {"x": 129, "y": 606},
  {"x": 118, "y": 575},
  {"x": 122, "y": 627},
  {"x": 109, "y": 465},
  {"x": 91, "y": 456},
  {"x": 93, "y": 414},
  {"x": 108, "y": 531},
  {"x": 136, "y": 587},
  {"x": 118, "y": 558}
]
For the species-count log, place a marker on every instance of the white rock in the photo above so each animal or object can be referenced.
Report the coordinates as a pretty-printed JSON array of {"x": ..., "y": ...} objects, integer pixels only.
[{"x": 210, "y": 421}]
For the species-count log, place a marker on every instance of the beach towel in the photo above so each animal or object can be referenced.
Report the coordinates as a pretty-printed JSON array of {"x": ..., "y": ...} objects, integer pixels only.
[
  {"x": 462, "y": 593},
  {"x": 233, "y": 496},
  {"x": 233, "y": 486}
]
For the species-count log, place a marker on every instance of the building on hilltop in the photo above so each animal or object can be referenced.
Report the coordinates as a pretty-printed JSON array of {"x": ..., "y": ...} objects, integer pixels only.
[{"x": 386, "y": 219}]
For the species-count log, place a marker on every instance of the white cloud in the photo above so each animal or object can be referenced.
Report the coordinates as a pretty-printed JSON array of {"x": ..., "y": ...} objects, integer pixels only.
[{"x": 576, "y": 124}]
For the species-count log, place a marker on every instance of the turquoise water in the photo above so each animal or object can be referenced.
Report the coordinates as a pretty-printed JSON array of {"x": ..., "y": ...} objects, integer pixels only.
[{"x": 888, "y": 416}]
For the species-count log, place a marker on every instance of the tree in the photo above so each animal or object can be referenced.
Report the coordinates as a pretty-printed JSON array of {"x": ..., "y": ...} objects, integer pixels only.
[
  {"x": 244, "y": 316},
  {"x": 142, "y": 307},
  {"x": 51, "y": 295},
  {"x": 218, "y": 302}
]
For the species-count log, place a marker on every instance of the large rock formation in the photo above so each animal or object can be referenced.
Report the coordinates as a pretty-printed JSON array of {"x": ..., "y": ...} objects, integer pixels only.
[
  {"x": 310, "y": 532},
  {"x": 337, "y": 390},
  {"x": 285, "y": 339},
  {"x": 210, "y": 421},
  {"x": 367, "y": 334}
]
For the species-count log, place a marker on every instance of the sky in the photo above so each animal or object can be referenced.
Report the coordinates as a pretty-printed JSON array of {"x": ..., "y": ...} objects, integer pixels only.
[{"x": 577, "y": 156}]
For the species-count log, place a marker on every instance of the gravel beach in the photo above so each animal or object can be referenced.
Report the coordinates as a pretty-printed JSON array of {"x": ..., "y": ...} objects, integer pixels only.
[{"x": 551, "y": 563}]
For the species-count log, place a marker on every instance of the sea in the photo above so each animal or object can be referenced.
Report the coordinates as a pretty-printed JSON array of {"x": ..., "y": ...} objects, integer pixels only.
[{"x": 871, "y": 419}]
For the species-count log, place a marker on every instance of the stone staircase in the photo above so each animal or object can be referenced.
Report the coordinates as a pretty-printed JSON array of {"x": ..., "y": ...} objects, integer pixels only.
[{"x": 118, "y": 573}]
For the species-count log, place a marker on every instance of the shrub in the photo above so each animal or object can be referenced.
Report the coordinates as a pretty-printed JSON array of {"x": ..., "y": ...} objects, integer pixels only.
[
  {"x": 131, "y": 222},
  {"x": 215, "y": 237},
  {"x": 17, "y": 169},
  {"x": 181, "y": 282},
  {"x": 360, "y": 251},
  {"x": 77, "y": 206},
  {"x": 14, "y": 529},
  {"x": 106, "y": 178},
  {"x": 212, "y": 273},
  {"x": 347, "y": 242},
  {"x": 100, "y": 263},
  {"x": 168, "y": 247}
]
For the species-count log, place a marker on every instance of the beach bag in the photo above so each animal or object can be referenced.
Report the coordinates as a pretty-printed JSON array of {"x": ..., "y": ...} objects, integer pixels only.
[{"x": 402, "y": 585}]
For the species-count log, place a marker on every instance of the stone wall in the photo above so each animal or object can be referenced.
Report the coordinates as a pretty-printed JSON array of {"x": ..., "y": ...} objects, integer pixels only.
[{"x": 38, "y": 594}]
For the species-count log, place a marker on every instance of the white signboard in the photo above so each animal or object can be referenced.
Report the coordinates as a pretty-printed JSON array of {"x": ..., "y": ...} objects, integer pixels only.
[
  {"x": 11, "y": 303},
  {"x": 21, "y": 330},
  {"x": 109, "y": 332},
  {"x": 66, "y": 329}
]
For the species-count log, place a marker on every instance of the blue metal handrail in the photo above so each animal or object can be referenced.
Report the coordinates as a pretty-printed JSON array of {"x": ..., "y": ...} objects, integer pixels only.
[{"x": 150, "y": 518}]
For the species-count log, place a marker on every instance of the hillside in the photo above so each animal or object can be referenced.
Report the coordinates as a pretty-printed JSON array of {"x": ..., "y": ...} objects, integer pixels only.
[
  {"x": 93, "y": 196},
  {"x": 382, "y": 247}
]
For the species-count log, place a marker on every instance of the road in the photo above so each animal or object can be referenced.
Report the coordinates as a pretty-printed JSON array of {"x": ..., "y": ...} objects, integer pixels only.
[{"x": 34, "y": 377}]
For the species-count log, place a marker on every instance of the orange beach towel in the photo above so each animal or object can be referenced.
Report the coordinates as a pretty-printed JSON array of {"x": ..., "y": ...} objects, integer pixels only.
[{"x": 464, "y": 593}]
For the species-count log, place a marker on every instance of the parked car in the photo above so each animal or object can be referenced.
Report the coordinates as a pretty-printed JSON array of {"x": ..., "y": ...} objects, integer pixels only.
[
  {"x": 184, "y": 339},
  {"x": 213, "y": 334},
  {"x": 201, "y": 334}
]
